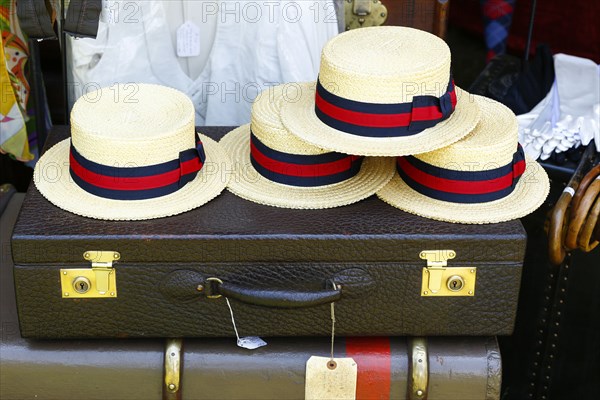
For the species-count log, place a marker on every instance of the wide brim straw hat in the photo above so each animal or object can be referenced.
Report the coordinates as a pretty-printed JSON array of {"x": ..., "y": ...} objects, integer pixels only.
[
  {"x": 482, "y": 155},
  {"x": 136, "y": 128},
  {"x": 272, "y": 138},
  {"x": 382, "y": 91}
]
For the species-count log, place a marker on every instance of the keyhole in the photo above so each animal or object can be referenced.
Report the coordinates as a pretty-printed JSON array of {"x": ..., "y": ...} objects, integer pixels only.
[
  {"x": 81, "y": 284},
  {"x": 455, "y": 283}
]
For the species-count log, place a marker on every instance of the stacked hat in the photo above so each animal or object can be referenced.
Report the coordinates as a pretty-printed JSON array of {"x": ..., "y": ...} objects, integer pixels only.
[
  {"x": 274, "y": 167},
  {"x": 483, "y": 178},
  {"x": 386, "y": 91},
  {"x": 133, "y": 154}
]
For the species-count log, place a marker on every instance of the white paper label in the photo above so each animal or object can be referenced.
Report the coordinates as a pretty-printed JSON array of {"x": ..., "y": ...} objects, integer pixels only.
[
  {"x": 325, "y": 381},
  {"x": 110, "y": 14},
  {"x": 188, "y": 40},
  {"x": 251, "y": 342}
]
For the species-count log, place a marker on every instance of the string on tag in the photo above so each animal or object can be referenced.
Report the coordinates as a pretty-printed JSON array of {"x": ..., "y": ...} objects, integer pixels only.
[
  {"x": 330, "y": 378},
  {"x": 331, "y": 364},
  {"x": 232, "y": 319},
  {"x": 248, "y": 342}
]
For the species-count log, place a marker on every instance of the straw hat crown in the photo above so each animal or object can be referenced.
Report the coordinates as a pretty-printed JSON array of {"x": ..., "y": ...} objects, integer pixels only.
[
  {"x": 395, "y": 64},
  {"x": 483, "y": 178},
  {"x": 491, "y": 144},
  {"x": 135, "y": 124},
  {"x": 133, "y": 154},
  {"x": 266, "y": 124}
]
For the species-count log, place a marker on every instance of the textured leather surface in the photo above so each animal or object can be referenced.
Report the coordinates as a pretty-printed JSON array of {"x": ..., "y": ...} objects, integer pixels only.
[
  {"x": 251, "y": 244},
  {"x": 393, "y": 307},
  {"x": 460, "y": 368},
  {"x": 278, "y": 298}
]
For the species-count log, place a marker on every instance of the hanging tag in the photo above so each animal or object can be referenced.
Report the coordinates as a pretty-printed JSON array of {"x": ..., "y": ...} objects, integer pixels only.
[
  {"x": 330, "y": 379},
  {"x": 251, "y": 342},
  {"x": 188, "y": 40},
  {"x": 247, "y": 342}
]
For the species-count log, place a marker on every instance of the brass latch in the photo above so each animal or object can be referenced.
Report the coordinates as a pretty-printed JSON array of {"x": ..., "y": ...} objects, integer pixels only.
[
  {"x": 172, "y": 373},
  {"x": 363, "y": 13},
  {"x": 440, "y": 280},
  {"x": 418, "y": 368},
  {"x": 96, "y": 282}
]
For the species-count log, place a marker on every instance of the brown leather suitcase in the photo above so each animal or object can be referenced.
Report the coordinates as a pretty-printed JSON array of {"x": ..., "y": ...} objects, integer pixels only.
[
  {"x": 467, "y": 368},
  {"x": 399, "y": 274}
]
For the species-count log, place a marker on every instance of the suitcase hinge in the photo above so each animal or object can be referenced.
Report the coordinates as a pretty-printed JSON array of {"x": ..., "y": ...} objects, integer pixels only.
[
  {"x": 96, "y": 282},
  {"x": 173, "y": 362},
  {"x": 418, "y": 369},
  {"x": 440, "y": 280}
]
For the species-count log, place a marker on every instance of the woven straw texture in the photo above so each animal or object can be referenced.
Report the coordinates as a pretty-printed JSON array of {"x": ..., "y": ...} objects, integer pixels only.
[
  {"x": 386, "y": 64},
  {"x": 247, "y": 183},
  {"x": 114, "y": 132},
  {"x": 267, "y": 126},
  {"x": 490, "y": 145},
  {"x": 493, "y": 141},
  {"x": 142, "y": 123}
]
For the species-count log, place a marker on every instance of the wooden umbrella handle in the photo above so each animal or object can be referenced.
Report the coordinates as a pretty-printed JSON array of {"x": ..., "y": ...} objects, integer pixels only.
[
  {"x": 583, "y": 185},
  {"x": 586, "y": 242},
  {"x": 579, "y": 213},
  {"x": 556, "y": 228}
]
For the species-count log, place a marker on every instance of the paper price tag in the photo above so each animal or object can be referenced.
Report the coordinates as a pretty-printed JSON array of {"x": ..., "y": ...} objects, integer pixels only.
[
  {"x": 251, "y": 342},
  {"x": 110, "y": 14},
  {"x": 247, "y": 342},
  {"x": 188, "y": 40},
  {"x": 330, "y": 381}
]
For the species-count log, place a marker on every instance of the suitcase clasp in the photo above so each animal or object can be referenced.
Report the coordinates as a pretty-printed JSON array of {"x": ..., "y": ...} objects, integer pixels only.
[
  {"x": 96, "y": 282},
  {"x": 459, "y": 281}
]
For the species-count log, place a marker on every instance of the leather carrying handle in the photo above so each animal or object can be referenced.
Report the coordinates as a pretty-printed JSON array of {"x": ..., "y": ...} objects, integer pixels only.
[{"x": 273, "y": 298}]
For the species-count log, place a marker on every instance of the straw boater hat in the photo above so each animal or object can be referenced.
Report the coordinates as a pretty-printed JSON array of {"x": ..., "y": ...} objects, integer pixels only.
[
  {"x": 483, "y": 178},
  {"x": 383, "y": 91},
  {"x": 275, "y": 168},
  {"x": 133, "y": 154}
]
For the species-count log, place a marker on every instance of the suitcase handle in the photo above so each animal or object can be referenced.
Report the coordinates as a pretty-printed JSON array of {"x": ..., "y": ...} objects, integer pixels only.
[{"x": 274, "y": 298}]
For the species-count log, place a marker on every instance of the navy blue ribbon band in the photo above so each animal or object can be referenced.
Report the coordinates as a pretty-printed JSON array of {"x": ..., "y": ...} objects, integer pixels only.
[
  {"x": 462, "y": 186},
  {"x": 302, "y": 170},
  {"x": 383, "y": 120},
  {"x": 136, "y": 183}
]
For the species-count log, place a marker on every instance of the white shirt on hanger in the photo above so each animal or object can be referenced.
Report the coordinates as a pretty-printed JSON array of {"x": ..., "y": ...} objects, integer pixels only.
[{"x": 245, "y": 47}]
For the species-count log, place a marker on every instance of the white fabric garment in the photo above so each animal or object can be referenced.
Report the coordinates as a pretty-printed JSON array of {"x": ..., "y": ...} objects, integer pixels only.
[
  {"x": 569, "y": 115},
  {"x": 256, "y": 45}
]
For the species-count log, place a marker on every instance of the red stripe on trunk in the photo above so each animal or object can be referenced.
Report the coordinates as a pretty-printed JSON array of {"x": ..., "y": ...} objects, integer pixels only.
[{"x": 373, "y": 358}]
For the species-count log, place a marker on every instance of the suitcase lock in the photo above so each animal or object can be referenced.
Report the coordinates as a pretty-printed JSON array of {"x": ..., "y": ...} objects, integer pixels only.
[
  {"x": 441, "y": 280},
  {"x": 99, "y": 281},
  {"x": 363, "y": 13}
]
